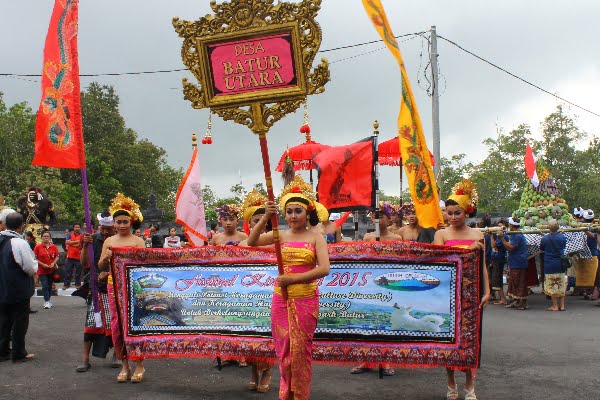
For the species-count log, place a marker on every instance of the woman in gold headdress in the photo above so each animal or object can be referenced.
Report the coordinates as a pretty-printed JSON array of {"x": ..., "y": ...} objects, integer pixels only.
[
  {"x": 294, "y": 316},
  {"x": 462, "y": 204},
  {"x": 126, "y": 215},
  {"x": 253, "y": 209}
]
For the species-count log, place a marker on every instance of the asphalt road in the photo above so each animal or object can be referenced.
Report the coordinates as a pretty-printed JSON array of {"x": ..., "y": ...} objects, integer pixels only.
[{"x": 533, "y": 354}]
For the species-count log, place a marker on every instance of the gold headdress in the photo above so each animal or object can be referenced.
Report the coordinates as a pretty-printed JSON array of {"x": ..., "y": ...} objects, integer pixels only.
[
  {"x": 465, "y": 194},
  {"x": 322, "y": 212},
  {"x": 253, "y": 202},
  {"x": 127, "y": 204},
  {"x": 227, "y": 210},
  {"x": 298, "y": 192}
]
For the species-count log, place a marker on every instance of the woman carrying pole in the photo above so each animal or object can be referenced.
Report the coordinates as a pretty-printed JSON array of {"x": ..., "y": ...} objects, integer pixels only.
[{"x": 295, "y": 305}]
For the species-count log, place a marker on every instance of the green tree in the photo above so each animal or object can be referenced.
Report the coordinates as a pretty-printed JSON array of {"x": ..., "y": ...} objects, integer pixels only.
[
  {"x": 452, "y": 170},
  {"x": 260, "y": 187},
  {"x": 500, "y": 176},
  {"x": 210, "y": 199},
  {"x": 117, "y": 160},
  {"x": 559, "y": 137},
  {"x": 584, "y": 187}
]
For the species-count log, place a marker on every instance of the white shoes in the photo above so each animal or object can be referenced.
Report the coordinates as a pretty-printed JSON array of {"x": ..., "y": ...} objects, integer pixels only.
[{"x": 47, "y": 305}]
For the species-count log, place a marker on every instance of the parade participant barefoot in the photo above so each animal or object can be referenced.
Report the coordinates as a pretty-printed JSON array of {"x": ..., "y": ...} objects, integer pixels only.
[
  {"x": 385, "y": 214},
  {"x": 253, "y": 209},
  {"x": 93, "y": 334},
  {"x": 229, "y": 216},
  {"x": 553, "y": 247},
  {"x": 516, "y": 249},
  {"x": 305, "y": 260},
  {"x": 461, "y": 205},
  {"x": 397, "y": 219},
  {"x": 497, "y": 268},
  {"x": 126, "y": 215},
  {"x": 412, "y": 231}
]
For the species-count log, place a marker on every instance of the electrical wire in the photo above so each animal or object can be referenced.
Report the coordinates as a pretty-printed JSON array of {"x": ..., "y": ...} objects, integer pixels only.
[
  {"x": 414, "y": 36},
  {"x": 162, "y": 71},
  {"x": 517, "y": 77}
]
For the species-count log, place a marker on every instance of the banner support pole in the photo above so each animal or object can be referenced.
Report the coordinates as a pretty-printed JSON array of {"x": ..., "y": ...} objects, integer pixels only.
[{"x": 376, "y": 166}]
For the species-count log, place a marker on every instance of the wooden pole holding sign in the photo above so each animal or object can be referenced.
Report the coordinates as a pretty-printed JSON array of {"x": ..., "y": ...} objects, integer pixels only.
[{"x": 253, "y": 64}]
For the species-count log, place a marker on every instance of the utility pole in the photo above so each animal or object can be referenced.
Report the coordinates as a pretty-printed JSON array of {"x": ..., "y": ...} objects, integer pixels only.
[{"x": 435, "y": 103}]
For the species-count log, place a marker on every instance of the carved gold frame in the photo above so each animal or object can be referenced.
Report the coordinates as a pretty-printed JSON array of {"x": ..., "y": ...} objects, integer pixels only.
[{"x": 241, "y": 19}]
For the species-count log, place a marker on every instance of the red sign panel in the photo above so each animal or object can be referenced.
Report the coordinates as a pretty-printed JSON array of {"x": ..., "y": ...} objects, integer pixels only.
[{"x": 252, "y": 64}]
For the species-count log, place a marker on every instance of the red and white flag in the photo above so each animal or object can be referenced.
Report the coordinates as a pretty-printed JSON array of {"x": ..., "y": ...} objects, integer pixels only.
[
  {"x": 530, "y": 166},
  {"x": 189, "y": 204}
]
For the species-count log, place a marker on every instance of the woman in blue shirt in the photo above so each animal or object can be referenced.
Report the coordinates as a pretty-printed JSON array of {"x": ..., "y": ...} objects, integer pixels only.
[{"x": 553, "y": 246}]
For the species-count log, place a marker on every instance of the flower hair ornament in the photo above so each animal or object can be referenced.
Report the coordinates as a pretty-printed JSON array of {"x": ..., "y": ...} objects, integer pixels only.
[
  {"x": 228, "y": 210},
  {"x": 127, "y": 204},
  {"x": 408, "y": 208},
  {"x": 298, "y": 192},
  {"x": 385, "y": 208},
  {"x": 464, "y": 193}
]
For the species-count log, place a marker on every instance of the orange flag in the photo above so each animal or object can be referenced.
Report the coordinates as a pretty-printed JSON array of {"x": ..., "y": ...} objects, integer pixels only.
[{"x": 413, "y": 147}]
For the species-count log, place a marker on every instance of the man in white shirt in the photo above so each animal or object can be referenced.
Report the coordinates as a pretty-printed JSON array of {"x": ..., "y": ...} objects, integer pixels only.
[{"x": 17, "y": 267}]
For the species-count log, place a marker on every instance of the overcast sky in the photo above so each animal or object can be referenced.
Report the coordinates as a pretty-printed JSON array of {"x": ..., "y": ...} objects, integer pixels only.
[{"x": 551, "y": 43}]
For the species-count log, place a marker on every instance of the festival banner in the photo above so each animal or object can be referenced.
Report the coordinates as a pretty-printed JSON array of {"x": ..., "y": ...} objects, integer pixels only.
[
  {"x": 413, "y": 146},
  {"x": 394, "y": 302},
  {"x": 347, "y": 176},
  {"x": 58, "y": 129}
]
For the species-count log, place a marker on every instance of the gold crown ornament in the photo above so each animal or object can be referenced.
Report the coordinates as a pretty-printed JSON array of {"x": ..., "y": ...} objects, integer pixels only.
[
  {"x": 298, "y": 192},
  {"x": 465, "y": 194},
  {"x": 127, "y": 204},
  {"x": 253, "y": 202}
]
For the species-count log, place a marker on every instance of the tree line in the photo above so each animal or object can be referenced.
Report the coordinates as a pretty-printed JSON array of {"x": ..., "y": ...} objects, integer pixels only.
[{"x": 119, "y": 161}]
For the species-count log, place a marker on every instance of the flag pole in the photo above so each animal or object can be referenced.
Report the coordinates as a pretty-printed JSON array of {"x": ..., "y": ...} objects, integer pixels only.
[
  {"x": 88, "y": 229},
  {"x": 376, "y": 161},
  {"x": 261, "y": 130}
]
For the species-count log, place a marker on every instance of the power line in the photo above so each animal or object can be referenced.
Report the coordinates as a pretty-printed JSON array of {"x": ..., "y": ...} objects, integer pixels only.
[
  {"x": 163, "y": 71},
  {"x": 517, "y": 77}
]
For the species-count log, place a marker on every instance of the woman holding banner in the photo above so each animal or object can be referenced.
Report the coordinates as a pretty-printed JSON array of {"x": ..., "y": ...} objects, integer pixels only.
[
  {"x": 126, "y": 215},
  {"x": 295, "y": 305},
  {"x": 461, "y": 205}
]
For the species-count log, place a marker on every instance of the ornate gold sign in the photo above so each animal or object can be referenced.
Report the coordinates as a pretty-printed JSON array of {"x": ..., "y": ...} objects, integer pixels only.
[{"x": 253, "y": 59}]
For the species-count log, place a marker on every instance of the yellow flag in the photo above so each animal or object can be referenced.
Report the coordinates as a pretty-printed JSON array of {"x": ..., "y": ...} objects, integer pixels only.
[{"x": 413, "y": 147}]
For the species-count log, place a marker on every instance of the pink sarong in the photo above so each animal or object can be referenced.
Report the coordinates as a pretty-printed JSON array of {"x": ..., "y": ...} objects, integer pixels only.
[{"x": 293, "y": 323}]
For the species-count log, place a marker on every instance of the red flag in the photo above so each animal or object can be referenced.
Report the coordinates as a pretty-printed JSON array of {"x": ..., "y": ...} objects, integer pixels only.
[
  {"x": 189, "y": 204},
  {"x": 58, "y": 129},
  {"x": 530, "y": 166},
  {"x": 347, "y": 176}
]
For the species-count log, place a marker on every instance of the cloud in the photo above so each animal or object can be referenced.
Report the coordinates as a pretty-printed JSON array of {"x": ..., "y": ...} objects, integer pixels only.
[{"x": 137, "y": 35}]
